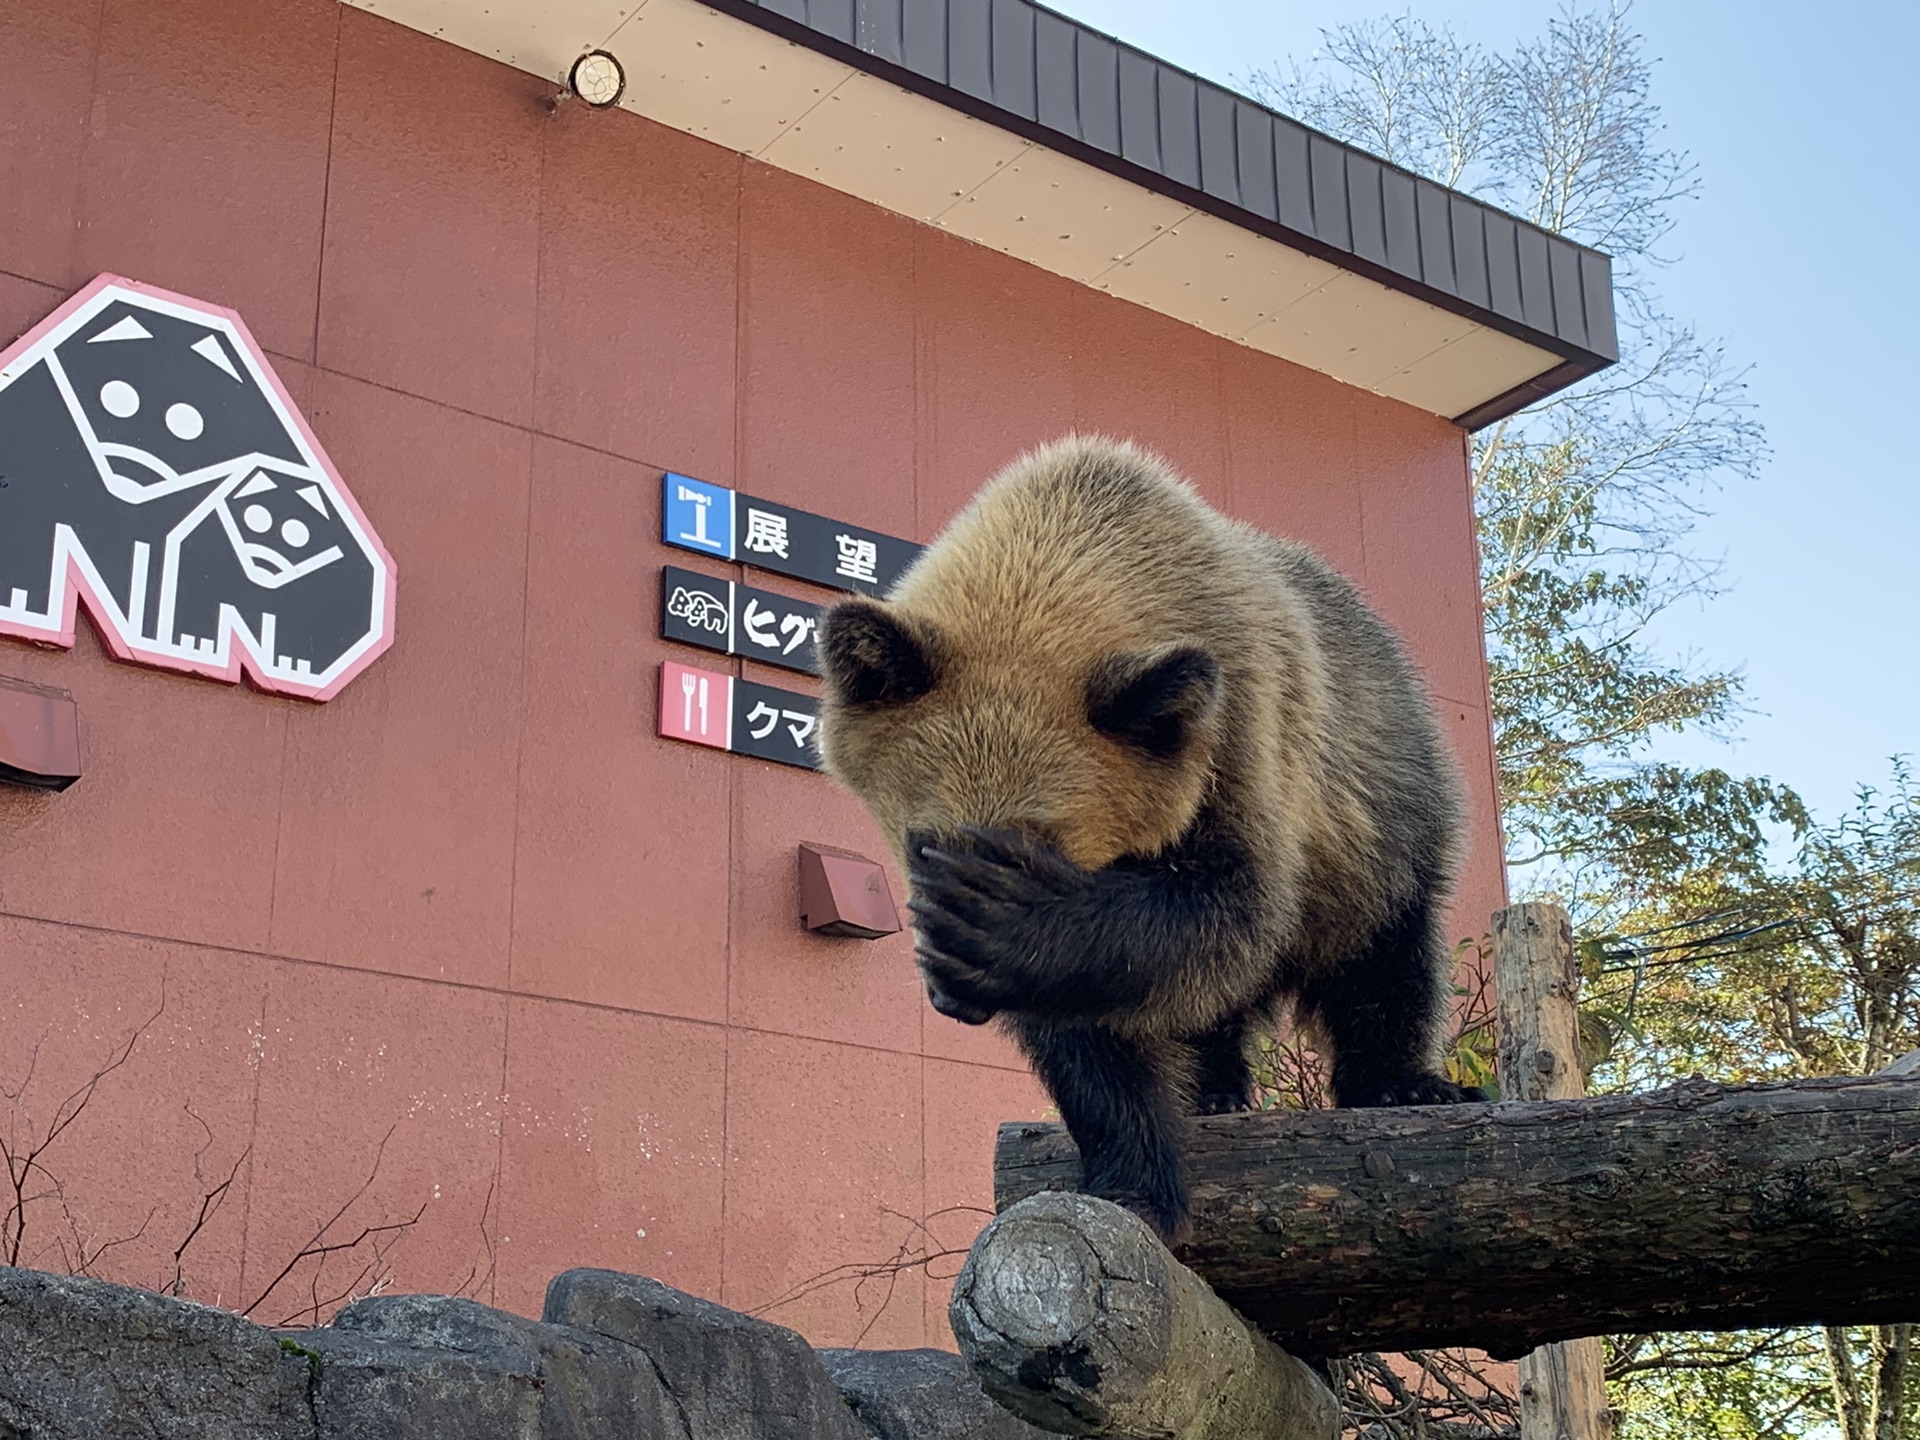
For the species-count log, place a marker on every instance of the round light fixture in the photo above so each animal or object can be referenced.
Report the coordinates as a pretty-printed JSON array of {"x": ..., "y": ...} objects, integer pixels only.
[{"x": 596, "y": 77}]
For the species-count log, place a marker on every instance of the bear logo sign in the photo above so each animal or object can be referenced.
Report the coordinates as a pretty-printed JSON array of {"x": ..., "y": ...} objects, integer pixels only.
[{"x": 152, "y": 463}]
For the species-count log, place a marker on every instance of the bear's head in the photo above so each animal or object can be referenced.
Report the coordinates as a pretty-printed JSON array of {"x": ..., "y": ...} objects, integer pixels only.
[{"x": 1038, "y": 669}]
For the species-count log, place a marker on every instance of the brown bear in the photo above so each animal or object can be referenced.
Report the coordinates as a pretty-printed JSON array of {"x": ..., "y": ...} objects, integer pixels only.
[{"x": 1151, "y": 774}]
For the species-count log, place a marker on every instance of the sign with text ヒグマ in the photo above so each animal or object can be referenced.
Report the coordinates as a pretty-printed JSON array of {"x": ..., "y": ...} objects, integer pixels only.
[
  {"x": 735, "y": 619},
  {"x": 727, "y": 525},
  {"x": 705, "y": 707}
]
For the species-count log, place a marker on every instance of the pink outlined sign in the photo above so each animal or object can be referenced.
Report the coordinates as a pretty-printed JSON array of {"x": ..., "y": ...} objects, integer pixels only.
[
  {"x": 153, "y": 465},
  {"x": 696, "y": 705}
]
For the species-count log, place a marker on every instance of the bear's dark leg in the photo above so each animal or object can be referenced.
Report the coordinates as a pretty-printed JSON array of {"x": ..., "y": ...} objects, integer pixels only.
[
  {"x": 1120, "y": 1098},
  {"x": 1223, "y": 1083},
  {"x": 1383, "y": 1012}
]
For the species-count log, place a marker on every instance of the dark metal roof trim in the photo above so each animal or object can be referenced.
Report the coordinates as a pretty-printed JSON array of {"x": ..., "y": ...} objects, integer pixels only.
[
  {"x": 1525, "y": 393},
  {"x": 1056, "y": 82}
]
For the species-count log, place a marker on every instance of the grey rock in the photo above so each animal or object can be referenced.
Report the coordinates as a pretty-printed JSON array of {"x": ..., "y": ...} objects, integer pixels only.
[
  {"x": 617, "y": 1358},
  {"x": 432, "y": 1367},
  {"x": 921, "y": 1395},
  {"x": 600, "y": 1389},
  {"x": 84, "y": 1360},
  {"x": 443, "y": 1322},
  {"x": 366, "y": 1389},
  {"x": 734, "y": 1377}
]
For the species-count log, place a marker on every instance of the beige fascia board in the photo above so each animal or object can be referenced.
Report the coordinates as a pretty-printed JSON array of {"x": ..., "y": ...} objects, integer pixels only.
[{"x": 542, "y": 37}]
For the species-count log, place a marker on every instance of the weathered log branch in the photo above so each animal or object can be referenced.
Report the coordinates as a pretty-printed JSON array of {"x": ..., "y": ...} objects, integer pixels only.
[
  {"x": 1701, "y": 1207},
  {"x": 1073, "y": 1315}
]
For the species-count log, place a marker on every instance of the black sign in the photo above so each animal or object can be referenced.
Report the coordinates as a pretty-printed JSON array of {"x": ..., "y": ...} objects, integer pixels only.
[
  {"x": 152, "y": 464},
  {"x": 734, "y": 619},
  {"x": 704, "y": 707},
  {"x": 713, "y": 520},
  {"x": 774, "y": 724}
]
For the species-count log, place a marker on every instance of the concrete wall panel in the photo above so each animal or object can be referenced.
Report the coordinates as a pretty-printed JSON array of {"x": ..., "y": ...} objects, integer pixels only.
[
  {"x": 429, "y": 279},
  {"x": 162, "y": 1133},
  {"x": 212, "y": 119},
  {"x": 783, "y": 978},
  {"x": 995, "y": 372},
  {"x": 639, "y": 273},
  {"x": 378, "y": 1102},
  {"x": 179, "y": 843},
  {"x": 1142, "y": 376},
  {"x": 824, "y": 1170},
  {"x": 606, "y": 909},
  {"x": 395, "y": 849},
  {"x": 613, "y": 1127},
  {"x": 41, "y": 144},
  {"x": 826, "y": 351}
]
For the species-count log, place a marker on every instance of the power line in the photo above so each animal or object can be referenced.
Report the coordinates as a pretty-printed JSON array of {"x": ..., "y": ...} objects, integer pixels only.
[{"x": 1733, "y": 941}]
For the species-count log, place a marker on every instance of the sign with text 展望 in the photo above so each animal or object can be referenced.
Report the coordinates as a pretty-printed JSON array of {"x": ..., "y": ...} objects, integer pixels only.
[
  {"x": 734, "y": 619},
  {"x": 704, "y": 707},
  {"x": 713, "y": 520}
]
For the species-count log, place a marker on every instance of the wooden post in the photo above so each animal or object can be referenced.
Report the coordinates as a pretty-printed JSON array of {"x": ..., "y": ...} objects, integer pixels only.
[{"x": 1563, "y": 1391}]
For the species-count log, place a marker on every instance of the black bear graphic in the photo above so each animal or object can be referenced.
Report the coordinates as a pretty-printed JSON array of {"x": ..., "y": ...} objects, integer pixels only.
[{"x": 150, "y": 462}]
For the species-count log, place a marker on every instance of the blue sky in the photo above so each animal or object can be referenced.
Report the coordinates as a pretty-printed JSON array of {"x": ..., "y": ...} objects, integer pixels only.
[{"x": 1800, "y": 255}]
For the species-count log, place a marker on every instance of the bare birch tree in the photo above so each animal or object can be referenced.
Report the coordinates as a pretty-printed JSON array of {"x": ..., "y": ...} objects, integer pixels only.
[{"x": 1587, "y": 500}]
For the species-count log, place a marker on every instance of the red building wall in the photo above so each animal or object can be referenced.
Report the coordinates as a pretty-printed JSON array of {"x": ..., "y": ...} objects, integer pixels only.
[{"x": 472, "y": 908}]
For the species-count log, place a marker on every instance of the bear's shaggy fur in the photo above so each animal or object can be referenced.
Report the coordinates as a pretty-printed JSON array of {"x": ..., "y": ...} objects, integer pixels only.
[{"x": 1151, "y": 774}]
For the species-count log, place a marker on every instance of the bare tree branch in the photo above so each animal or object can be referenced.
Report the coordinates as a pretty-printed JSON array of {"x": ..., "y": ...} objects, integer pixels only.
[
  {"x": 319, "y": 1248},
  {"x": 25, "y": 1160}
]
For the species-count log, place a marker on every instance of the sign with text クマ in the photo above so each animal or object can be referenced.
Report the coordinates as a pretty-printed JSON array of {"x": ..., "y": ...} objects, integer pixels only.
[
  {"x": 713, "y": 520},
  {"x": 704, "y": 707},
  {"x": 734, "y": 619}
]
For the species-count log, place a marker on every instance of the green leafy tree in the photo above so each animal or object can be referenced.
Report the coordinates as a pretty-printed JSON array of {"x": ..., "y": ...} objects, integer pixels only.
[
  {"x": 1753, "y": 1386},
  {"x": 1770, "y": 955},
  {"x": 1756, "y": 966}
]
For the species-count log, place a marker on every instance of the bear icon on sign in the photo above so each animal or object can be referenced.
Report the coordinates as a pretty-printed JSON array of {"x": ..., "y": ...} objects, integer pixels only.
[{"x": 152, "y": 464}]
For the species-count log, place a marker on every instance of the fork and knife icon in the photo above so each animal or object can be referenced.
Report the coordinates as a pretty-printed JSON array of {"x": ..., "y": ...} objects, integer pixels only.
[{"x": 689, "y": 686}]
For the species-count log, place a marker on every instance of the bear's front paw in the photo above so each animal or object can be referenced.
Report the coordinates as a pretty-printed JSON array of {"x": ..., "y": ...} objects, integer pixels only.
[
  {"x": 958, "y": 987},
  {"x": 999, "y": 876},
  {"x": 967, "y": 1011},
  {"x": 981, "y": 903}
]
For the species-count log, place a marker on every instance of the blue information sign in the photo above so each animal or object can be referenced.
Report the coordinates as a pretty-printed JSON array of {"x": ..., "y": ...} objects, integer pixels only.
[
  {"x": 713, "y": 520},
  {"x": 698, "y": 516}
]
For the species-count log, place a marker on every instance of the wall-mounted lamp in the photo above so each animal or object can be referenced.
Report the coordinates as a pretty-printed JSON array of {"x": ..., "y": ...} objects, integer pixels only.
[
  {"x": 842, "y": 893},
  {"x": 39, "y": 737},
  {"x": 597, "y": 78}
]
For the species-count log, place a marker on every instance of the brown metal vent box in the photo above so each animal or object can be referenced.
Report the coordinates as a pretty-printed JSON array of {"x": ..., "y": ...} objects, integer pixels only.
[
  {"x": 39, "y": 736},
  {"x": 842, "y": 893}
]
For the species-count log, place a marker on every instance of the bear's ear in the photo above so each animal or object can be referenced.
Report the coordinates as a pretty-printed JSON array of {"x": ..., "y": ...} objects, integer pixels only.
[
  {"x": 1154, "y": 701},
  {"x": 870, "y": 656}
]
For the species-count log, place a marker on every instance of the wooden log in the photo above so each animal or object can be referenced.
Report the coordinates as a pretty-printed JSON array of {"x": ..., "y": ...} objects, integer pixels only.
[
  {"x": 1073, "y": 1315},
  {"x": 1536, "y": 976},
  {"x": 1505, "y": 1226}
]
